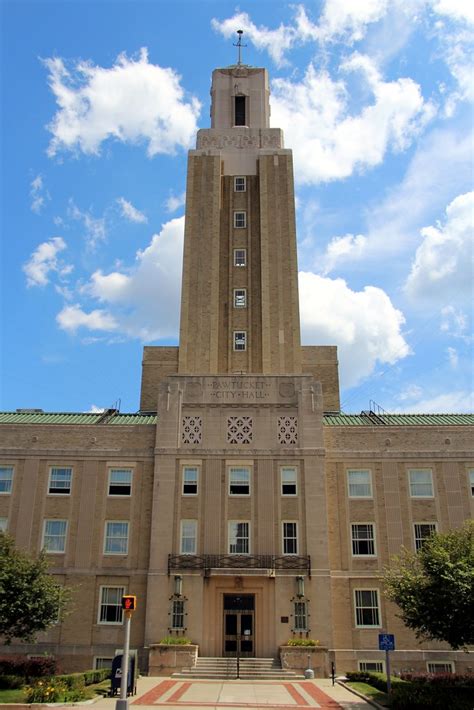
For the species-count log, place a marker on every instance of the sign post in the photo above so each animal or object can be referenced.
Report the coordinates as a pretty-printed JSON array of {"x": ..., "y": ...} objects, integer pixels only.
[
  {"x": 129, "y": 604},
  {"x": 387, "y": 644}
]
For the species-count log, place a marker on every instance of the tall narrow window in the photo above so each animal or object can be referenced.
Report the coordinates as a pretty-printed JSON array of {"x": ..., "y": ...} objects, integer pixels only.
[
  {"x": 60, "y": 480},
  {"x": 240, "y": 298},
  {"x": 240, "y": 184},
  {"x": 239, "y": 538},
  {"x": 190, "y": 480},
  {"x": 421, "y": 483},
  {"x": 359, "y": 483},
  {"x": 471, "y": 481},
  {"x": 116, "y": 537},
  {"x": 110, "y": 605},
  {"x": 288, "y": 481},
  {"x": 290, "y": 538},
  {"x": 239, "y": 481},
  {"x": 177, "y": 614},
  {"x": 188, "y": 537},
  {"x": 363, "y": 539},
  {"x": 54, "y": 536},
  {"x": 240, "y": 111},
  {"x": 366, "y": 607},
  {"x": 300, "y": 616},
  {"x": 3, "y": 524},
  {"x": 240, "y": 340},
  {"x": 240, "y": 220},
  {"x": 120, "y": 481},
  {"x": 240, "y": 257},
  {"x": 422, "y": 532}
]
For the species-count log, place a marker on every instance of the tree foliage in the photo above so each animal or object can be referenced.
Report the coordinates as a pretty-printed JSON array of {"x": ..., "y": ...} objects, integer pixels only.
[
  {"x": 30, "y": 599},
  {"x": 434, "y": 587}
]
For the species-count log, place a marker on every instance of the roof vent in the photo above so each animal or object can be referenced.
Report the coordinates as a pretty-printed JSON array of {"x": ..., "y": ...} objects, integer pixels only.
[{"x": 29, "y": 411}]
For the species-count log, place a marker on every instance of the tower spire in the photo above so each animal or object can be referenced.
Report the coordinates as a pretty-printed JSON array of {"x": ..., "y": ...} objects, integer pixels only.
[{"x": 239, "y": 45}]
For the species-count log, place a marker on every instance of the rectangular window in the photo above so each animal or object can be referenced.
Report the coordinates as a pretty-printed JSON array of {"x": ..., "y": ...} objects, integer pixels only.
[
  {"x": 240, "y": 298},
  {"x": 120, "y": 481},
  {"x": 177, "y": 614},
  {"x": 101, "y": 662},
  {"x": 3, "y": 524},
  {"x": 54, "y": 536},
  {"x": 240, "y": 184},
  {"x": 240, "y": 340},
  {"x": 300, "y": 617},
  {"x": 239, "y": 538},
  {"x": 60, "y": 481},
  {"x": 110, "y": 605},
  {"x": 240, "y": 220},
  {"x": 471, "y": 481},
  {"x": 188, "y": 537},
  {"x": 288, "y": 481},
  {"x": 363, "y": 539},
  {"x": 116, "y": 537},
  {"x": 190, "y": 480},
  {"x": 366, "y": 603},
  {"x": 6, "y": 479},
  {"x": 240, "y": 257},
  {"x": 421, "y": 483},
  {"x": 440, "y": 667},
  {"x": 290, "y": 538},
  {"x": 421, "y": 532},
  {"x": 371, "y": 666},
  {"x": 239, "y": 481},
  {"x": 360, "y": 484},
  {"x": 239, "y": 111}
]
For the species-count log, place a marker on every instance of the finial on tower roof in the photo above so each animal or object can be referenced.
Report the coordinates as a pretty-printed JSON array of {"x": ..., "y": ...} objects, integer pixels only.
[{"x": 239, "y": 45}]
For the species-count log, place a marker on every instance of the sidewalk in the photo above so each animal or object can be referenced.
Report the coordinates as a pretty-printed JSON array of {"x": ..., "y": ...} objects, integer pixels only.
[{"x": 178, "y": 694}]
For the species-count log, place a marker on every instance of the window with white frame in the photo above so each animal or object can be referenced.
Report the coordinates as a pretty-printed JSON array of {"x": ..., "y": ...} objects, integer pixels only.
[
  {"x": 240, "y": 257},
  {"x": 54, "y": 536},
  {"x": 120, "y": 482},
  {"x": 240, "y": 220},
  {"x": 300, "y": 616},
  {"x": 359, "y": 483},
  {"x": 3, "y": 524},
  {"x": 240, "y": 298},
  {"x": 240, "y": 340},
  {"x": 371, "y": 666},
  {"x": 60, "y": 480},
  {"x": 240, "y": 184},
  {"x": 288, "y": 480},
  {"x": 471, "y": 481},
  {"x": 366, "y": 604},
  {"x": 101, "y": 662},
  {"x": 6, "y": 479},
  {"x": 110, "y": 605},
  {"x": 363, "y": 539},
  {"x": 190, "y": 480},
  {"x": 116, "y": 537},
  {"x": 422, "y": 532},
  {"x": 239, "y": 481},
  {"x": 421, "y": 483},
  {"x": 440, "y": 667},
  {"x": 290, "y": 538},
  {"x": 239, "y": 537},
  {"x": 177, "y": 614},
  {"x": 188, "y": 537}
]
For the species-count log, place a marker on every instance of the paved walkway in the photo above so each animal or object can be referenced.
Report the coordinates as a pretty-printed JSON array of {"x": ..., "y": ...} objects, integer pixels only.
[{"x": 178, "y": 694}]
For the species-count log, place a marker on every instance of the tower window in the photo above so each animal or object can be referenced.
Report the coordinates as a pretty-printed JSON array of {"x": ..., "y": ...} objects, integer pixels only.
[
  {"x": 240, "y": 298},
  {"x": 240, "y": 184},
  {"x": 240, "y": 259},
  {"x": 240, "y": 220},
  {"x": 240, "y": 340},
  {"x": 240, "y": 111}
]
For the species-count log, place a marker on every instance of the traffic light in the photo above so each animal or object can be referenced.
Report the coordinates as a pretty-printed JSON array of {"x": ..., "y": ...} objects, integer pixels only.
[{"x": 129, "y": 602}]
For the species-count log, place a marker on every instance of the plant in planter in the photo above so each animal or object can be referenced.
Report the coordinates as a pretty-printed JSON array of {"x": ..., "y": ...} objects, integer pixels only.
[
  {"x": 176, "y": 641},
  {"x": 302, "y": 642}
]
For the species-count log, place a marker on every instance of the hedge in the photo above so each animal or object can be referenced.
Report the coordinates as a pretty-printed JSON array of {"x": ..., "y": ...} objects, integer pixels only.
[
  {"x": 28, "y": 667},
  {"x": 377, "y": 680},
  {"x": 423, "y": 696}
]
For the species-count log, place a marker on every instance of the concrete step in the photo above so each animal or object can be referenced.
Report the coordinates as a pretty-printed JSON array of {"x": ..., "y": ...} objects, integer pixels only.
[{"x": 249, "y": 669}]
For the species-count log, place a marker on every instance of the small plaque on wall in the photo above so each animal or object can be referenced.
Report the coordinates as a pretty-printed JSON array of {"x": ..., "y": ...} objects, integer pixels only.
[{"x": 284, "y": 619}]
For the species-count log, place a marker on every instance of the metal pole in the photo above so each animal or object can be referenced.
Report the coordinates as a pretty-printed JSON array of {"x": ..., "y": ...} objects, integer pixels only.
[
  {"x": 387, "y": 668},
  {"x": 238, "y": 650},
  {"x": 333, "y": 672},
  {"x": 122, "y": 704}
]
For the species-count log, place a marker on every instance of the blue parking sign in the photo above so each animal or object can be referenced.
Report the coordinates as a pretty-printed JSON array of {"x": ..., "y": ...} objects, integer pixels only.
[{"x": 386, "y": 642}]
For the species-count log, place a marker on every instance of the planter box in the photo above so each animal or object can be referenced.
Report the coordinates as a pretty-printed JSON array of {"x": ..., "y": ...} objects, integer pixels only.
[
  {"x": 165, "y": 659},
  {"x": 295, "y": 658}
]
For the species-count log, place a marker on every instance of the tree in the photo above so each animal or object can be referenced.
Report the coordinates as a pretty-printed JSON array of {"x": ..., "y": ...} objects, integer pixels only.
[
  {"x": 30, "y": 598},
  {"x": 434, "y": 587}
]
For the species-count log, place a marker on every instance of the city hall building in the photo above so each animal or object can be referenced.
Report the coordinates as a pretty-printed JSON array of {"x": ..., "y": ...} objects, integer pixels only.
[{"x": 240, "y": 505}]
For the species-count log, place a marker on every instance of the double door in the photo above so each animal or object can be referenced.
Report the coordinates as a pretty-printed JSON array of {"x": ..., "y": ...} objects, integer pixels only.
[{"x": 239, "y": 623}]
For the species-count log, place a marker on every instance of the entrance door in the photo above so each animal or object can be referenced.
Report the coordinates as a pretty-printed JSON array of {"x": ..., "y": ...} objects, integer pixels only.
[{"x": 239, "y": 611}]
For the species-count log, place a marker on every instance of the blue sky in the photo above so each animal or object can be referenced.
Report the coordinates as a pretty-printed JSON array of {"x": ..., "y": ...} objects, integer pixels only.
[{"x": 101, "y": 101}]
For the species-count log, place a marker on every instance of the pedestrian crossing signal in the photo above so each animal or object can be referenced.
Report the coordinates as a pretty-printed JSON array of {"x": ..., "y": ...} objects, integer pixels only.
[{"x": 129, "y": 602}]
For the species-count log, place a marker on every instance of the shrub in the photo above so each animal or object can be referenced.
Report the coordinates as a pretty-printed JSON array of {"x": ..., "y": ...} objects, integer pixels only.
[
  {"x": 441, "y": 679},
  {"x": 377, "y": 680},
  {"x": 28, "y": 667},
  {"x": 46, "y": 691},
  {"x": 175, "y": 640},
  {"x": 97, "y": 676},
  {"x": 425, "y": 696},
  {"x": 11, "y": 682},
  {"x": 302, "y": 642}
]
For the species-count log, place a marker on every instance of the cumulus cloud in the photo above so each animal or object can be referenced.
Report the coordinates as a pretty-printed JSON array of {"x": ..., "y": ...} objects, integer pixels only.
[
  {"x": 443, "y": 266},
  {"x": 329, "y": 143},
  {"x": 130, "y": 212},
  {"x": 454, "y": 322},
  {"x": 174, "y": 202},
  {"x": 458, "y": 401},
  {"x": 455, "y": 9},
  {"x": 133, "y": 101},
  {"x": 38, "y": 194},
  {"x": 364, "y": 325},
  {"x": 70, "y": 318},
  {"x": 95, "y": 227},
  {"x": 349, "y": 20},
  {"x": 44, "y": 261},
  {"x": 343, "y": 248}
]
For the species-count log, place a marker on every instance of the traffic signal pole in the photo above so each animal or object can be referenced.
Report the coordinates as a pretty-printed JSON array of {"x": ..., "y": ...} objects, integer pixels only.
[{"x": 129, "y": 606}]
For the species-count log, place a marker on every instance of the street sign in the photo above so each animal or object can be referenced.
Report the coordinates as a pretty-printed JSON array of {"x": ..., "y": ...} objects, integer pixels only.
[{"x": 386, "y": 642}]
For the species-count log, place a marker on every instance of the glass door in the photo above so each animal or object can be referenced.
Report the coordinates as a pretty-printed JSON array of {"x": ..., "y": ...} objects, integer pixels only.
[{"x": 239, "y": 620}]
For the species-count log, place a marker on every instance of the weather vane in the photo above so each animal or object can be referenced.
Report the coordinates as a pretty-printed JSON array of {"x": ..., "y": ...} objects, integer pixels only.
[{"x": 239, "y": 45}]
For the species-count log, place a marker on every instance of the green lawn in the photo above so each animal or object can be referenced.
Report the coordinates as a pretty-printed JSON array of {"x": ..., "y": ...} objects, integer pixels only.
[
  {"x": 12, "y": 696},
  {"x": 18, "y": 696},
  {"x": 370, "y": 692}
]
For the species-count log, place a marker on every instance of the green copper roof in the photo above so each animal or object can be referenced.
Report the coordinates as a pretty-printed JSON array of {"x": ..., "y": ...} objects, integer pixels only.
[
  {"x": 398, "y": 419},
  {"x": 115, "y": 418}
]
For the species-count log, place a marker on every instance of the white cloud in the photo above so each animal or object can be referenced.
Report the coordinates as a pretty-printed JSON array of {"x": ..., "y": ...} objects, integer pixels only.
[
  {"x": 453, "y": 357},
  {"x": 71, "y": 318},
  {"x": 350, "y": 19},
  {"x": 458, "y": 401},
  {"x": 410, "y": 392},
  {"x": 343, "y": 248},
  {"x": 44, "y": 261},
  {"x": 174, "y": 202},
  {"x": 455, "y": 9},
  {"x": 133, "y": 101},
  {"x": 94, "y": 409},
  {"x": 38, "y": 194},
  {"x": 454, "y": 322},
  {"x": 329, "y": 143},
  {"x": 130, "y": 212},
  {"x": 443, "y": 264},
  {"x": 364, "y": 325},
  {"x": 95, "y": 227}
]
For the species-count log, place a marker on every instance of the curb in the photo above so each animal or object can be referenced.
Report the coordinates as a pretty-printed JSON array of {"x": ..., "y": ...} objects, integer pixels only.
[{"x": 361, "y": 696}]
